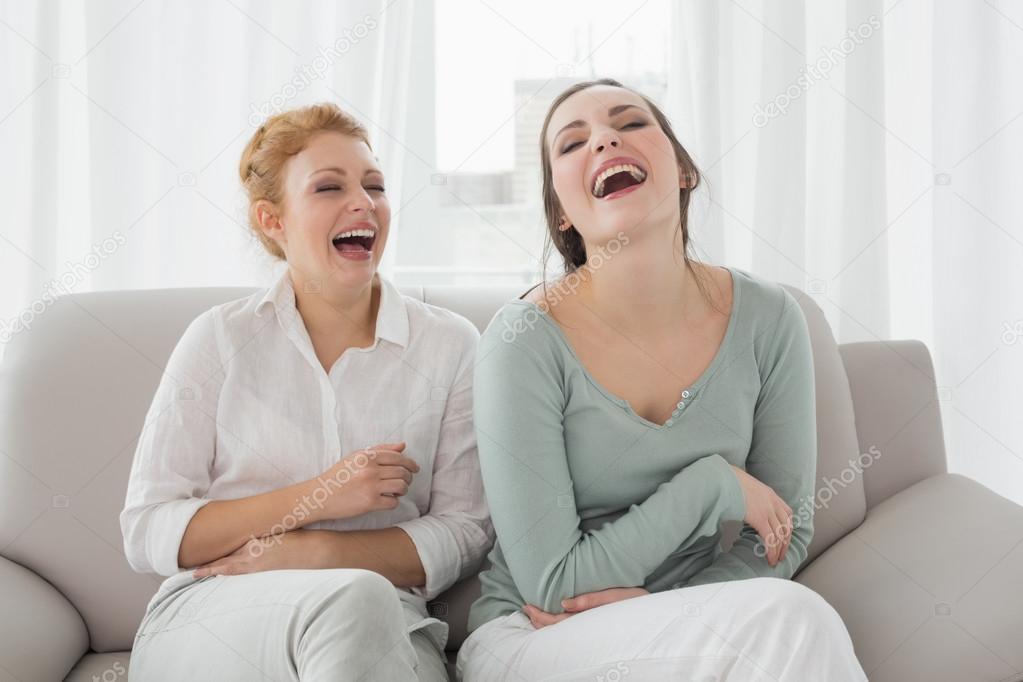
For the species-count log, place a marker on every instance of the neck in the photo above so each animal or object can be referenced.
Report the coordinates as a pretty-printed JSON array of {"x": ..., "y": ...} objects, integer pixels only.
[
  {"x": 341, "y": 313},
  {"x": 645, "y": 287}
]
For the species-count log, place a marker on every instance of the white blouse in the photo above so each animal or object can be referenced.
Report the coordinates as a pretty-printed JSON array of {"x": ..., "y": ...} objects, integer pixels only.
[{"x": 245, "y": 407}]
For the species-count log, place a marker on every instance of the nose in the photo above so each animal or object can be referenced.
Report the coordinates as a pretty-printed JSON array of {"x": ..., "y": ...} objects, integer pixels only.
[
  {"x": 605, "y": 138},
  {"x": 362, "y": 202}
]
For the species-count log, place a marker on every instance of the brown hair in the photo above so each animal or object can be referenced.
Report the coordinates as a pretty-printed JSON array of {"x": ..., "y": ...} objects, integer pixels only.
[
  {"x": 282, "y": 136},
  {"x": 569, "y": 243}
]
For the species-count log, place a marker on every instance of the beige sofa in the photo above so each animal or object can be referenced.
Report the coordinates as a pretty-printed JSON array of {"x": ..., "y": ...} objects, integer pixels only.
[{"x": 925, "y": 567}]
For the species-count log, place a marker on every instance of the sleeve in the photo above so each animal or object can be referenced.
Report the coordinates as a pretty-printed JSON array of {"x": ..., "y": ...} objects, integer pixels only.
[
  {"x": 519, "y": 407},
  {"x": 171, "y": 470},
  {"x": 783, "y": 451},
  {"x": 456, "y": 532}
]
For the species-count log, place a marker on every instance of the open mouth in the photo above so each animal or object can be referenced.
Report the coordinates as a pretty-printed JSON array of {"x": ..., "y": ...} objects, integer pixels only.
[
  {"x": 355, "y": 241},
  {"x": 616, "y": 178}
]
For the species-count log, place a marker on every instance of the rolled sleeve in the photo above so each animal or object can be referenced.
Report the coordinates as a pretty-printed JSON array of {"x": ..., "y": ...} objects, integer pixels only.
[
  {"x": 164, "y": 530},
  {"x": 438, "y": 551}
]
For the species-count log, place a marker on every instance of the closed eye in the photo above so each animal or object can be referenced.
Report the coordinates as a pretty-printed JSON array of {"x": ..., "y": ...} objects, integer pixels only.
[
  {"x": 376, "y": 188},
  {"x": 327, "y": 188},
  {"x": 567, "y": 148},
  {"x": 634, "y": 124}
]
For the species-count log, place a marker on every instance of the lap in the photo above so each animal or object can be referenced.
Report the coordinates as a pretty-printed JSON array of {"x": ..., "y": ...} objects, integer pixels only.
[
  {"x": 700, "y": 632},
  {"x": 254, "y": 626}
]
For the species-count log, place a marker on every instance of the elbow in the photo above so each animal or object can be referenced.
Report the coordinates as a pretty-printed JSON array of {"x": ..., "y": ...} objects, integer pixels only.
[
  {"x": 551, "y": 590},
  {"x": 133, "y": 537}
]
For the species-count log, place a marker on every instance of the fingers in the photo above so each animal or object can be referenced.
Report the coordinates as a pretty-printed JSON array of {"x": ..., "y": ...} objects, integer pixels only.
[
  {"x": 218, "y": 567},
  {"x": 786, "y": 529},
  {"x": 393, "y": 458},
  {"x": 781, "y": 532},
  {"x": 397, "y": 447},
  {"x": 774, "y": 538},
  {"x": 591, "y": 600},
  {"x": 540, "y": 618},
  {"x": 387, "y": 472},
  {"x": 579, "y": 603},
  {"x": 394, "y": 486}
]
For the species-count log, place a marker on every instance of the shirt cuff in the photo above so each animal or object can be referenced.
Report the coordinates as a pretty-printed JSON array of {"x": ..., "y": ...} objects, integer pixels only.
[
  {"x": 166, "y": 529},
  {"x": 438, "y": 552}
]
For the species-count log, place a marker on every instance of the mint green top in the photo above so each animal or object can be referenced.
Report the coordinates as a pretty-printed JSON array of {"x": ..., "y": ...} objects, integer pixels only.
[{"x": 586, "y": 495}]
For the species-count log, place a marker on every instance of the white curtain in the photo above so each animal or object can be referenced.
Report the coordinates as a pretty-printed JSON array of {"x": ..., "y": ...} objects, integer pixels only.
[
  {"x": 122, "y": 123},
  {"x": 869, "y": 153}
]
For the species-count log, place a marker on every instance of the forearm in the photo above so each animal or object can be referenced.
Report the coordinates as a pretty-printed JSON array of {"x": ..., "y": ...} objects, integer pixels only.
[
  {"x": 387, "y": 551},
  {"x": 222, "y": 526},
  {"x": 622, "y": 553}
]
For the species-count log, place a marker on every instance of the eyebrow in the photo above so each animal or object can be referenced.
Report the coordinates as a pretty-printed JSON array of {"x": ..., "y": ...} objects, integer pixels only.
[{"x": 613, "y": 111}]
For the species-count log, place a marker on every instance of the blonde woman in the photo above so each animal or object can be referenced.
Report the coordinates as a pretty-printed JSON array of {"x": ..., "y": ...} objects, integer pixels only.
[
  {"x": 307, "y": 475},
  {"x": 626, "y": 410}
]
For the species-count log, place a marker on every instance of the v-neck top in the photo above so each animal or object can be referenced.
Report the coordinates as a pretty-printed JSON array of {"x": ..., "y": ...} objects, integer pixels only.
[
  {"x": 585, "y": 494},
  {"x": 686, "y": 395}
]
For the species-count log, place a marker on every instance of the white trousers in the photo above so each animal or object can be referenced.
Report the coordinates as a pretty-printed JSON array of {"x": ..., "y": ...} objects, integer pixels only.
[
  {"x": 756, "y": 630},
  {"x": 309, "y": 625}
]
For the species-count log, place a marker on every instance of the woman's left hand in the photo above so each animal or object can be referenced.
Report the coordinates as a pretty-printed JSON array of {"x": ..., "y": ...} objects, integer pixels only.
[
  {"x": 293, "y": 549},
  {"x": 590, "y": 600}
]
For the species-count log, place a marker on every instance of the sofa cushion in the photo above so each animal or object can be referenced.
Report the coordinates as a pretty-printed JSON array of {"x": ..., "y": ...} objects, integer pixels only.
[
  {"x": 929, "y": 585},
  {"x": 74, "y": 390}
]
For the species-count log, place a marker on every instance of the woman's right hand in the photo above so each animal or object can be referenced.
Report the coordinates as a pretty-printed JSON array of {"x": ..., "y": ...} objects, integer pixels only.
[
  {"x": 366, "y": 480},
  {"x": 768, "y": 514}
]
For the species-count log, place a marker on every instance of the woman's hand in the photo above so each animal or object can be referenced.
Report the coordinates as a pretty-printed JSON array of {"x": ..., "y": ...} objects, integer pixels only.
[
  {"x": 366, "y": 480},
  {"x": 590, "y": 600},
  {"x": 768, "y": 514},
  {"x": 294, "y": 549}
]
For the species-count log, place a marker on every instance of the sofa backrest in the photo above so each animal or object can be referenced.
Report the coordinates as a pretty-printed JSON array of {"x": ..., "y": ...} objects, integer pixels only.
[{"x": 74, "y": 391}]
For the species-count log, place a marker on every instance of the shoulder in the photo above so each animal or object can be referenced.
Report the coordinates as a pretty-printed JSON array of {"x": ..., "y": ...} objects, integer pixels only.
[
  {"x": 440, "y": 325},
  {"x": 237, "y": 319},
  {"x": 765, "y": 302},
  {"x": 775, "y": 319},
  {"x": 521, "y": 323},
  {"x": 522, "y": 342},
  {"x": 441, "y": 339}
]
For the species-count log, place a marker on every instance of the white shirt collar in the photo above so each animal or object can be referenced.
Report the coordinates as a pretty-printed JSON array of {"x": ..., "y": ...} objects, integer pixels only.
[{"x": 392, "y": 317}]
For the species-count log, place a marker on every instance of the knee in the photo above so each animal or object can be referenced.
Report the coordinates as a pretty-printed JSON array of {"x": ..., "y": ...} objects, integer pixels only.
[
  {"x": 351, "y": 593},
  {"x": 361, "y": 590},
  {"x": 799, "y": 602}
]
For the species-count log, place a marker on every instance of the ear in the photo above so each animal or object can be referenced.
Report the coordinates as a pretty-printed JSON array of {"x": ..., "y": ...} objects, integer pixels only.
[
  {"x": 686, "y": 180},
  {"x": 563, "y": 223},
  {"x": 269, "y": 221}
]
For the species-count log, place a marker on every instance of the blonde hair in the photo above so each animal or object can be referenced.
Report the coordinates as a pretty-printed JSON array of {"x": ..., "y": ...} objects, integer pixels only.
[{"x": 282, "y": 136}]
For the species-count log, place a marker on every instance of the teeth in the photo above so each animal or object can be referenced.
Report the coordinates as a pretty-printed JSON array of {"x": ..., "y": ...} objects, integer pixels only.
[
  {"x": 598, "y": 184},
  {"x": 354, "y": 233}
]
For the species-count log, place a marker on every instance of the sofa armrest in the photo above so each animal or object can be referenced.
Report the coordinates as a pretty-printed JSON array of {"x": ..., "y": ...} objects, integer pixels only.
[
  {"x": 42, "y": 636},
  {"x": 897, "y": 412}
]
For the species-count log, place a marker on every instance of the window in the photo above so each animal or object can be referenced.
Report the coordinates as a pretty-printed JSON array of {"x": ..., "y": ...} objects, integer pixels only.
[{"x": 476, "y": 215}]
